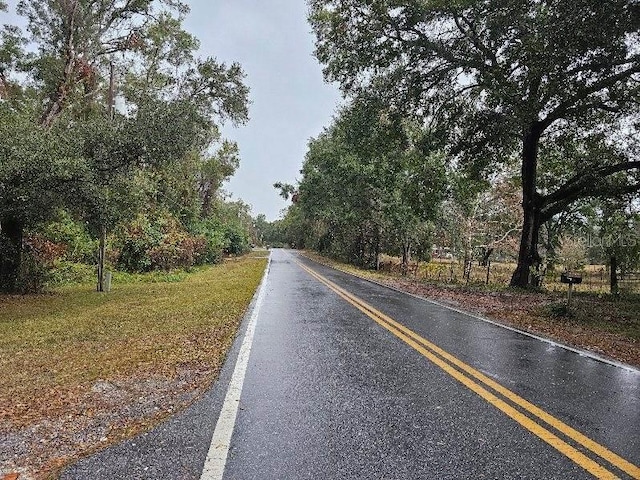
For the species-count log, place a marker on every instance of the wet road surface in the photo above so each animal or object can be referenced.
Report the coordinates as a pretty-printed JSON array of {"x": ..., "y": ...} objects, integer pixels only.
[{"x": 334, "y": 388}]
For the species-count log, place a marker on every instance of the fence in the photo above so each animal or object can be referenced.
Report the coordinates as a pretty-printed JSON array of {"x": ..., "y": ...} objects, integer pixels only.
[{"x": 595, "y": 278}]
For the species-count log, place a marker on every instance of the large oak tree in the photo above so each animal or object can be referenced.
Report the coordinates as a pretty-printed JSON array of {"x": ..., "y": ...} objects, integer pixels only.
[{"x": 503, "y": 76}]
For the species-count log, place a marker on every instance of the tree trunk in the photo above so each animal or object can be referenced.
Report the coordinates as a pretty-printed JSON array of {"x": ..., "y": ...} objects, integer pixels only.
[
  {"x": 486, "y": 257},
  {"x": 377, "y": 252},
  {"x": 488, "y": 270},
  {"x": 60, "y": 97},
  {"x": 465, "y": 266},
  {"x": 101, "y": 256},
  {"x": 10, "y": 254},
  {"x": 614, "y": 275},
  {"x": 406, "y": 246},
  {"x": 528, "y": 256}
]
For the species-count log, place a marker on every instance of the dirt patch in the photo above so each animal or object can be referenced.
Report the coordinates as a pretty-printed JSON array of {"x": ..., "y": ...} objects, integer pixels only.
[{"x": 94, "y": 416}]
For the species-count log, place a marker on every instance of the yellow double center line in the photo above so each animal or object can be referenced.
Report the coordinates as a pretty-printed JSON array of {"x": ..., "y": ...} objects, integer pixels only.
[{"x": 476, "y": 381}]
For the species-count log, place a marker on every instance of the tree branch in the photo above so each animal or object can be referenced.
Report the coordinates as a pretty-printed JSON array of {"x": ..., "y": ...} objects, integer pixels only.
[
  {"x": 587, "y": 180},
  {"x": 571, "y": 104}
]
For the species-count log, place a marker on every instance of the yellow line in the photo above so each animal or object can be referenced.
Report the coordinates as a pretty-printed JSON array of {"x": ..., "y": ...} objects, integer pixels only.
[{"x": 414, "y": 340}]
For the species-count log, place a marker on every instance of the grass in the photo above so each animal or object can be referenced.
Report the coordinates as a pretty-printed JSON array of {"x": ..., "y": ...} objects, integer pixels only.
[
  {"x": 603, "y": 313},
  {"x": 56, "y": 345}
]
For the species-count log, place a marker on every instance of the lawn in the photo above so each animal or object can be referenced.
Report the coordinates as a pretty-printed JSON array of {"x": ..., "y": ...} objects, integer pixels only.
[{"x": 65, "y": 356}]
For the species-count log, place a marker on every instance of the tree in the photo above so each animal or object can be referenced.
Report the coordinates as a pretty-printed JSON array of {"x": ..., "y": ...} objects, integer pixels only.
[
  {"x": 39, "y": 172},
  {"x": 175, "y": 103},
  {"x": 214, "y": 170},
  {"x": 615, "y": 234},
  {"x": 74, "y": 37},
  {"x": 502, "y": 76},
  {"x": 11, "y": 54},
  {"x": 480, "y": 219},
  {"x": 370, "y": 181}
]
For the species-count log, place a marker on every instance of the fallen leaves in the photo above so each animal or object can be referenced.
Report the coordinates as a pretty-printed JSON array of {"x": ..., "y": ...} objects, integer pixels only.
[{"x": 81, "y": 370}]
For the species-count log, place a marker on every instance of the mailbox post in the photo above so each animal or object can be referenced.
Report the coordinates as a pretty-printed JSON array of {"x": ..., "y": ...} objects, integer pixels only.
[{"x": 571, "y": 279}]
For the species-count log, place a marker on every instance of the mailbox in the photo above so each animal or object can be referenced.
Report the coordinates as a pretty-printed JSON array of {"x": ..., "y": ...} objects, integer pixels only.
[{"x": 571, "y": 278}]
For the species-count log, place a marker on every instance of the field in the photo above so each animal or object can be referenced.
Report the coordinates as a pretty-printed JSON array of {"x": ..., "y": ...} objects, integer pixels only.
[{"x": 80, "y": 370}]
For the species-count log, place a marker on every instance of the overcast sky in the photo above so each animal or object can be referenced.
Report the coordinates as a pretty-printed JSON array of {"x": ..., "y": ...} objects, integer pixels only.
[{"x": 290, "y": 101}]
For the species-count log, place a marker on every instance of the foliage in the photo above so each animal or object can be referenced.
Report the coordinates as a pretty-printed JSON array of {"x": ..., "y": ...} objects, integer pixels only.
[
  {"x": 73, "y": 234},
  {"x": 38, "y": 168},
  {"x": 152, "y": 242},
  {"x": 65, "y": 150},
  {"x": 572, "y": 254},
  {"x": 177, "y": 250},
  {"x": 158, "y": 241},
  {"x": 617, "y": 234},
  {"x": 552, "y": 84},
  {"x": 370, "y": 182},
  {"x": 213, "y": 233},
  {"x": 236, "y": 240},
  {"x": 68, "y": 272}
]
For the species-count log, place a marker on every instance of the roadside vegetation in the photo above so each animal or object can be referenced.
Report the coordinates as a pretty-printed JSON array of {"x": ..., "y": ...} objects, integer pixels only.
[
  {"x": 79, "y": 371},
  {"x": 111, "y": 153},
  {"x": 112, "y": 166},
  {"x": 482, "y": 149}
]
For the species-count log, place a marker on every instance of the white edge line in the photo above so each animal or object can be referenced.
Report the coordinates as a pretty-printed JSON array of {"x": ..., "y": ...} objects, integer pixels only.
[
  {"x": 582, "y": 353},
  {"x": 221, "y": 441}
]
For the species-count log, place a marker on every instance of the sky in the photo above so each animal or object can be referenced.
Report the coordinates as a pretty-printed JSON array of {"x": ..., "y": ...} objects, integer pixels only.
[{"x": 290, "y": 102}]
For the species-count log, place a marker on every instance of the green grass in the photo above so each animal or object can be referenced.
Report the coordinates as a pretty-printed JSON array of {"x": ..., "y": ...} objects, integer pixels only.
[
  {"x": 63, "y": 341},
  {"x": 602, "y": 313}
]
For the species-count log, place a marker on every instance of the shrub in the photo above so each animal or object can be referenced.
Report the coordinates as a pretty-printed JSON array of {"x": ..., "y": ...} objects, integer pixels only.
[
  {"x": 236, "y": 240},
  {"x": 71, "y": 272},
  {"x": 134, "y": 241},
  {"x": 215, "y": 240},
  {"x": 160, "y": 243},
  {"x": 177, "y": 250},
  {"x": 80, "y": 247},
  {"x": 38, "y": 259}
]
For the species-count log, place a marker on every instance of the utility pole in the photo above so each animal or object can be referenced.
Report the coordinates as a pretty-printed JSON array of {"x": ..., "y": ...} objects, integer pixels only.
[{"x": 103, "y": 228}]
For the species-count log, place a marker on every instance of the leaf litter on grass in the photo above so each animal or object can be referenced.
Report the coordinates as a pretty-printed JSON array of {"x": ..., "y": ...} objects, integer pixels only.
[{"x": 80, "y": 370}]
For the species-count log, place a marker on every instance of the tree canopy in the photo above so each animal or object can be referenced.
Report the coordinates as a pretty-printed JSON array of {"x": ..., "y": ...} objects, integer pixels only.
[
  {"x": 64, "y": 146},
  {"x": 370, "y": 182},
  {"x": 504, "y": 79}
]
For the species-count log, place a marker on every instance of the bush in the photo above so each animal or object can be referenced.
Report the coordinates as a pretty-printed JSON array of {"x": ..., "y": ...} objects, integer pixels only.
[
  {"x": 38, "y": 259},
  {"x": 558, "y": 310},
  {"x": 177, "y": 250},
  {"x": 161, "y": 243},
  {"x": 215, "y": 240},
  {"x": 65, "y": 272},
  {"x": 80, "y": 247},
  {"x": 134, "y": 242},
  {"x": 236, "y": 240}
]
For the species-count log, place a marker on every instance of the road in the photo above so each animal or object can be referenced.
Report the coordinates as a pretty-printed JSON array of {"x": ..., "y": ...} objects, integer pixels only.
[{"x": 348, "y": 379}]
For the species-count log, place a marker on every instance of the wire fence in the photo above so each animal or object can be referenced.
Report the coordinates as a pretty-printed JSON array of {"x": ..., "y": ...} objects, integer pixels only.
[{"x": 595, "y": 278}]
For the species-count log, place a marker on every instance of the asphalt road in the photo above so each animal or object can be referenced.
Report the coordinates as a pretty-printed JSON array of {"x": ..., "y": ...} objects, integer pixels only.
[{"x": 348, "y": 379}]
